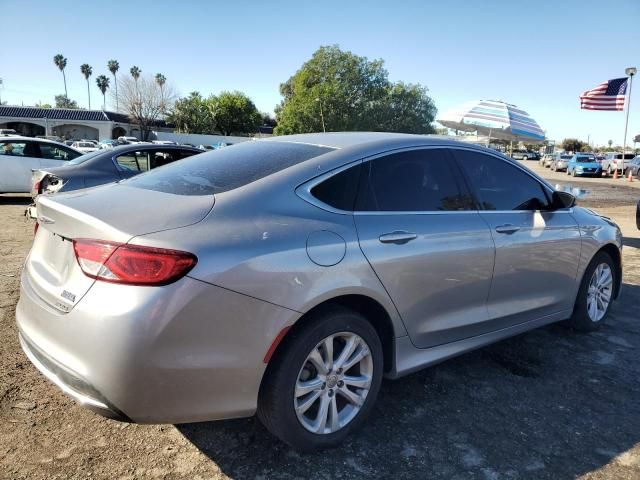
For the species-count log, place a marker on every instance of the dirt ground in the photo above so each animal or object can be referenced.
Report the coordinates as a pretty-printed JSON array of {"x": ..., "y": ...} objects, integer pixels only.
[{"x": 548, "y": 404}]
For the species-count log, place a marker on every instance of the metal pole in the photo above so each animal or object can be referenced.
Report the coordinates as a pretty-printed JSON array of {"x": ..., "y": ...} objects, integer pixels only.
[
  {"x": 322, "y": 118},
  {"x": 626, "y": 123}
]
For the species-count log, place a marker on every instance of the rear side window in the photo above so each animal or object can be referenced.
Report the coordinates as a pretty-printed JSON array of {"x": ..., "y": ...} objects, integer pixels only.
[
  {"x": 340, "y": 190},
  {"x": 134, "y": 161},
  {"x": 413, "y": 181},
  {"x": 500, "y": 185},
  {"x": 228, "y": 168}
]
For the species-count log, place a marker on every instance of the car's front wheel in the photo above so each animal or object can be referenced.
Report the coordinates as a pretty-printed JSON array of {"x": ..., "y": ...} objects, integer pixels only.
[
  {"x": 324, "y": 382},
  {"x": 595, "y": 295}
]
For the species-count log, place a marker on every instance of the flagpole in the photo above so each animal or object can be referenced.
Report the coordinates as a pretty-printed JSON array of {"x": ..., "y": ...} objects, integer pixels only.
[{"x": 631, "y": 71}]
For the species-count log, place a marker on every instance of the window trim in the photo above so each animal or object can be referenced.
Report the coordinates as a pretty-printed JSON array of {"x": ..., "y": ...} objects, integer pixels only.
[{"x": 304, "y": 190}]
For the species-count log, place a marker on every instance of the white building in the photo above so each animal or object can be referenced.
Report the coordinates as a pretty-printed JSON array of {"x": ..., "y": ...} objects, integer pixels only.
[{"x": 68, "y": 123}]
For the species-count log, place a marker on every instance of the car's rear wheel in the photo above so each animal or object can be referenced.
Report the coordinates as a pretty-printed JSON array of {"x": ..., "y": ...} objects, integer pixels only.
[
  {"x": 525, "y": 157},
  {"x": 324, "y": 383},
  {"x": 595, "y": 295}
]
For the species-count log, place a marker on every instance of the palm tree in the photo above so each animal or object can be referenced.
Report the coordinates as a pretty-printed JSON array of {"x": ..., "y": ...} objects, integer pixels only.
[
  {"x": 103, "y": 84},
  {"x": 87, "y": 71},
  {"x": 61, "y": 63},
  {"x": 161, "y": 80},
  {"x": 135, "y": 73},
  {"x": 113, "y": 67}
]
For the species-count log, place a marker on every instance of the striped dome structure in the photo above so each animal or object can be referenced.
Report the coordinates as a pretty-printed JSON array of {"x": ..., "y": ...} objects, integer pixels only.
[{"x": 494, "y": 118}]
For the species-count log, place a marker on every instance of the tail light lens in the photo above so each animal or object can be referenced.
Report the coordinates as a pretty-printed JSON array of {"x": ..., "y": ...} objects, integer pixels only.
[
  {"x": 131, "y": 264},
  {"x": 36, "y": 186}
]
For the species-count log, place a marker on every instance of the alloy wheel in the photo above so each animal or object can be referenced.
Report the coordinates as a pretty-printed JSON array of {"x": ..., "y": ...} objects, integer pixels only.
[
  {"x": 333, "y": 383},
  {"x": 599, "y": 292}
]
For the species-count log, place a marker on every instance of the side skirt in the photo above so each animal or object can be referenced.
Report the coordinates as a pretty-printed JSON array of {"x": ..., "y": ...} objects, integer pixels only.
[{"x": 410, "y": 359}]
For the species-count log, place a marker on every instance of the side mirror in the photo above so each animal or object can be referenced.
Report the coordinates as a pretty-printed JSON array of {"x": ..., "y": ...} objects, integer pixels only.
[{"x": 562, "y": 200}]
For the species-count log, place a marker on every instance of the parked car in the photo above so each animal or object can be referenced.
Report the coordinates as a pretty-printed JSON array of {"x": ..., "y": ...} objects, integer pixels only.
[
  {"x": 85, "y": 147},
  {"x": 288, "y": 275},
  {"x": 107, "y": 144},
  {"x": 525, "y": 155},
  {"x": 614, "y": 161},
  {"x": 633, "y": 167},
  {"x": 127, "y": 140},
  {"x": 545, "y": 160},
  {"x": 106, "y": 166},
  {"x": 20, "y": 155},
  {"x": 560, "y": 162},
  {"x": 582, "y": 164},
  {"x": 8, "y": 132}
]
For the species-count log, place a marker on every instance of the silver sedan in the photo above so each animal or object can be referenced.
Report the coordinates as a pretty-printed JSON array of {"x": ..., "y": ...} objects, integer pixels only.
[{"x": 288, "y": 276}]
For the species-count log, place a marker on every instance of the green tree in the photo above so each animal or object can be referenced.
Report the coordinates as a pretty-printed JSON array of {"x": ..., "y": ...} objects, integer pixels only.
[
  {"x": 61, "y": 62},
  {"x": 572, "y": 144},
  {"x": 135, "y": 73},
  {"x": 234, "y": 113},
  {"x": 87, "y": 71},
  {"x": 161, "y": 80},
  {"x": 191, "y": 115},
  {"x": 408, "y": 109},
  {"x": 62, "y": 101},
  {"x": 113, "y": 67},
  {"x": 344, "y": 91},
  {"x": 102, "y": 81}
]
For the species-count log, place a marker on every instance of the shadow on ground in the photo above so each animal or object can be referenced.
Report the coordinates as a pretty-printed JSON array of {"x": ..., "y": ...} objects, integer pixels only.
[
  {"x": 551, "y": 403},
  {"x": 631, "y": 242},
  {"x": 15, "y": 199}
]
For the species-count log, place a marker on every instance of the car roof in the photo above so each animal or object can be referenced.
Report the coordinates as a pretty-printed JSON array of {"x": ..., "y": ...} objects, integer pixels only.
[{"x": 344, "y": 140}]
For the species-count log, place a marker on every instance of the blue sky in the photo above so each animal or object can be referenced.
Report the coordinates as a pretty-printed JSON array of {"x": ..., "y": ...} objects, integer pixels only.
[{"x": 539, "y": 55}]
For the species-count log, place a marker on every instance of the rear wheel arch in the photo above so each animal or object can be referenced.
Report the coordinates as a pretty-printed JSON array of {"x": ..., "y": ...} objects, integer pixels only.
[{"x": 374, "y": 312}]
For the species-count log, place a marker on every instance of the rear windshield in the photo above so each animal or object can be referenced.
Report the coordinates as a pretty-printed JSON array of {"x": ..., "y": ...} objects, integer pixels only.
[
  {"x": 225, "y": 169},
  {"x": 566, "y": 157},
  {"x": 85, "y": 157}
]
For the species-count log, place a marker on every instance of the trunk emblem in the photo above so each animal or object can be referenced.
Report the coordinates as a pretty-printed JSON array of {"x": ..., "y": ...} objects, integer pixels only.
[
  {"x": 69, "y": 296},
  {"x": 47, "y": 220}
]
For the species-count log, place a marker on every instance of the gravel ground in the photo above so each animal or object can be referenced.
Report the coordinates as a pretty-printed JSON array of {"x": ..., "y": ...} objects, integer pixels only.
[{"x": 547, "y": 404}]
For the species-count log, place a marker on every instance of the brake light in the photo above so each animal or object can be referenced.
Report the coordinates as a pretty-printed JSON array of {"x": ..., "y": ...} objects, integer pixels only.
[
  {"x": 131, "y": 264},
  {"x": 36, "y": 186}
]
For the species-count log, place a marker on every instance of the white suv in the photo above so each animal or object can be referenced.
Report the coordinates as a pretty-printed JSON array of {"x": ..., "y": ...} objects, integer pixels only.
[{"x": 614, "y": 161}]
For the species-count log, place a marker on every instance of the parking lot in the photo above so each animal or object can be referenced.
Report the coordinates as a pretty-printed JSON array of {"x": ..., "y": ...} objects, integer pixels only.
[{"x": 551, "y": 403}]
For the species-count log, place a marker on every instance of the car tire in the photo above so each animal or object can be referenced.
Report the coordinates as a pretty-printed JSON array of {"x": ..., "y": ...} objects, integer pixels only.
[
  {"x": 296, "y": 363},
  {"x": 525, "y": 158},
  {"x": 594, "y": 287}
]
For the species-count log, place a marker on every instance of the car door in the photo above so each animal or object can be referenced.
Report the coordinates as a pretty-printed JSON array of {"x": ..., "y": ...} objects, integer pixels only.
[
  {"x": 537, "y": 249},
  {"x": 427, "y": 243},
  {"x": 55, "y": 155},
  {"x": 17, "y": 159}
]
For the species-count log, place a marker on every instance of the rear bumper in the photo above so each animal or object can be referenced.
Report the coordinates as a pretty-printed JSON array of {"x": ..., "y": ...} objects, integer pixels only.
[
  {"x": 70, "y": 382},
  {"x": 181, "y": 353}
]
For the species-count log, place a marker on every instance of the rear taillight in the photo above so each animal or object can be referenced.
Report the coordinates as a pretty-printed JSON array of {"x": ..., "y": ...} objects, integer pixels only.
[
  {"x": 131, "y": 264},
  {"x": 36, "y": 186}
]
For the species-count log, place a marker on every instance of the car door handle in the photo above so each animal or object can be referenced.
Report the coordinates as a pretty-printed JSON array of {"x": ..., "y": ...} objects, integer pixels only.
[
  {"x": 398, "y": 237},
  {"x": 508, "y": 228}
]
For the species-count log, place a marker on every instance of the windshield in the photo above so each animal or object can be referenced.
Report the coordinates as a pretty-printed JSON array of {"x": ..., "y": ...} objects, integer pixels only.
[
  {"x": 84, "y": 158},
  {"x": 566, "y": 157},
  {"x": 224, "y": 169},
  {"x": 585, "y": 159}
]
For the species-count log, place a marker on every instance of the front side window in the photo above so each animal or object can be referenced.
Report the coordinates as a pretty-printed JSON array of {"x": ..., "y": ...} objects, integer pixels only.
[
  {"x": 57, "y": 152},
  {"x": 499, "y": 185},
  {"x": 13, "y": 148},
  {"x": 413, "y": 181}
]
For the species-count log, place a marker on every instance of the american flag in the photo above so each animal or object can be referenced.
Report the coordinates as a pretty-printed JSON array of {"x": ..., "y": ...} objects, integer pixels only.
[{"x": 608, "y": 95}]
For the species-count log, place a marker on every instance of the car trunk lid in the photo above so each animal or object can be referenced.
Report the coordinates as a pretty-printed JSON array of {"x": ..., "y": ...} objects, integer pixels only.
[{"x": 113, "y": 213}]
